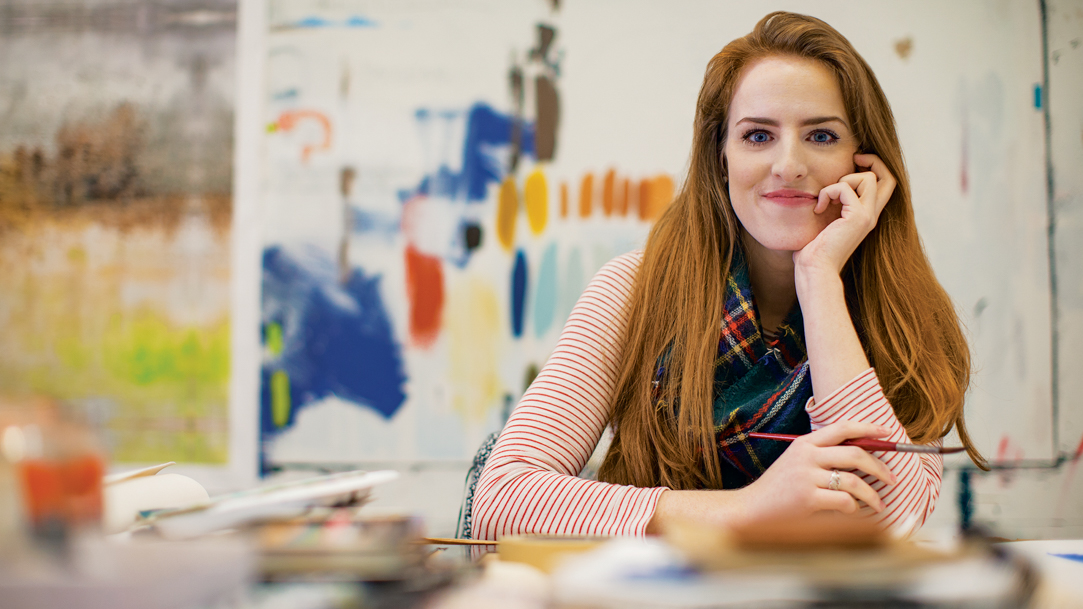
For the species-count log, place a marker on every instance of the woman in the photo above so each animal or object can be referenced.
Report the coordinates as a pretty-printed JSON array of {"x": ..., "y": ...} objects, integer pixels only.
[{"x": 794, "y": 230}]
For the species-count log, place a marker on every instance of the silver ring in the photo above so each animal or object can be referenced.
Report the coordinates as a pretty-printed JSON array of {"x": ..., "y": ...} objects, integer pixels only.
[{"x": 836, "y": 480}]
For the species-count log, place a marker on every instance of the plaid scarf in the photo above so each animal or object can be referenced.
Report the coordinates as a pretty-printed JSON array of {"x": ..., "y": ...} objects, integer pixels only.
[{"x": 759, "y": 384}]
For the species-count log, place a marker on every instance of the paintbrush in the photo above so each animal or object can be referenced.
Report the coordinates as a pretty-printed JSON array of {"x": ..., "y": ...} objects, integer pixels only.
[{"x": 870, "y": 444}]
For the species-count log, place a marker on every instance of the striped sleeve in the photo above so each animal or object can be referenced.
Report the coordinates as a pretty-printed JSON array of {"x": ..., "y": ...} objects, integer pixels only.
[
  {"x": 529, "y": 483},
  {"x": 912, "y": 500}
]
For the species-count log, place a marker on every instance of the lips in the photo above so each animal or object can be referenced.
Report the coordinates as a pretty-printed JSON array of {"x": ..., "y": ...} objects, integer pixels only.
[{"x": 790, "y": 197}]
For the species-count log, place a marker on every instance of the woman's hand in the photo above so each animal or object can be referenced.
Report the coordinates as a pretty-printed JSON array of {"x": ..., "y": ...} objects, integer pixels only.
[
  {"x": 798, "y": 483},
  {"x": 862, "y": 196},
  {"x": 796, "y": 486}
]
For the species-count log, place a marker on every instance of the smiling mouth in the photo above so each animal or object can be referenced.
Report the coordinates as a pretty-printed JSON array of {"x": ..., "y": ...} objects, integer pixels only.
[{"x": 790, "y": 197}]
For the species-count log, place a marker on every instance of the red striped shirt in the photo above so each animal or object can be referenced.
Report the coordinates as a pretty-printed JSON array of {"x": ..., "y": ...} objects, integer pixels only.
[{"x": 530, "y": 483}]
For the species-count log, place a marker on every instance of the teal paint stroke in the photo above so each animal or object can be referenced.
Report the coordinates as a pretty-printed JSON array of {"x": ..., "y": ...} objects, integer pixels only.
[
  {"x": 572, "y": 285},
  {"x": 545, "y": 294}
]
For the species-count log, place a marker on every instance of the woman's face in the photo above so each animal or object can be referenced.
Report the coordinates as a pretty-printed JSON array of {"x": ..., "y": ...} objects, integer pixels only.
[{"x": 788, "y": 137}]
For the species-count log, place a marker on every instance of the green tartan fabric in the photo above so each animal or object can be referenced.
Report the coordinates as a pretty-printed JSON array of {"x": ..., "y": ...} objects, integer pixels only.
[{"x": 759, "y": 385}]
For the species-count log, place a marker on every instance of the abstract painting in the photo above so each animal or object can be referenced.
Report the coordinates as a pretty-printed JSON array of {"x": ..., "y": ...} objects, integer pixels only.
[
  {"x": 424, "y": 242},
  {"x": 116, "y": 147}
]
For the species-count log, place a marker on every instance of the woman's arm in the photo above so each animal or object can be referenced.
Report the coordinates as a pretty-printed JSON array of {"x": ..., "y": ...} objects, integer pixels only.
[
  {"x": 912, "y": 500},
  {"x": 841, "y": 376},
  {"x": 529, "y": 484}
]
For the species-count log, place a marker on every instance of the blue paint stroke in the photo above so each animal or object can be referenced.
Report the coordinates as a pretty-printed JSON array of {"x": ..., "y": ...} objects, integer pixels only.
[
  {"x": 1038, "y": 97},
  {"x": 488, "y": 134},
  {"x": 518, "y": 294},
  {"x": 355, "y": 21},
  {"x": 545, "y": 294},
  {"x": 371, "y": 222},
  {"x": 1075, "y": 557},
  {"x": 337, "y": 338}
]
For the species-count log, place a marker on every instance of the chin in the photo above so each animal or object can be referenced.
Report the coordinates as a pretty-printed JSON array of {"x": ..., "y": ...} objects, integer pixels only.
[{"x": 787, "y": 241}]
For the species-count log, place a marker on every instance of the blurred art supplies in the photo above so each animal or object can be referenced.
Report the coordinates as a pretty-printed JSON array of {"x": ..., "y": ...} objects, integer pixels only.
[
  {"x": 274, "y": 502},
  {"x": 128, "y": 494},
  {"x": 55, "y": 467}
]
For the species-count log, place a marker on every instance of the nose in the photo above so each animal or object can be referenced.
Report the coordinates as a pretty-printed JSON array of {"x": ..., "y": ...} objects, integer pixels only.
[{"x": 790, "y": 163}]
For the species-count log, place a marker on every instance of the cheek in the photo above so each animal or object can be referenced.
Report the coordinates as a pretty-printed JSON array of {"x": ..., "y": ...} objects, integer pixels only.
[
  {"x": 838, "y": 165},
  {"x": 742, "y": 172}
]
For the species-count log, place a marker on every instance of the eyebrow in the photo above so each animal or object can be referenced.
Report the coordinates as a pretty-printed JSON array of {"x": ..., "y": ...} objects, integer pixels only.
[{"x": 819, "y": 120}]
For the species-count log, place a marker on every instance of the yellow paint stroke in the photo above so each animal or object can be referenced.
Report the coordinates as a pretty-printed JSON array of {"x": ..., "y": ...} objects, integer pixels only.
[
  {"x": 586, "y": 191},
  {"x": 507, "y": 209},
  {"x": 274, "y": 338},
  {"x": 473, "y": 325},
  {"x": 536, "y": 197},
  {"x": 280, "y": 398}
]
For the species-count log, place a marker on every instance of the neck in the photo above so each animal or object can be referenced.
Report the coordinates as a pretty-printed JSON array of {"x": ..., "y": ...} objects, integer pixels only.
[{"x": 771, "y": 273}]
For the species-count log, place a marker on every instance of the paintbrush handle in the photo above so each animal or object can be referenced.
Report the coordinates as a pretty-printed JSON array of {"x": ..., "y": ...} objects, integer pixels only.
[{"x": 866, "y": 443}]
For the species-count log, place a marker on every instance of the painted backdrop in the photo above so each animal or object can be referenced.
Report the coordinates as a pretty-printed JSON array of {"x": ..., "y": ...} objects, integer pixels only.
[
  {"x": 441, "y": 179},
  {"x": 424, "y": 241},
  {"x": 116, "y": 123}
]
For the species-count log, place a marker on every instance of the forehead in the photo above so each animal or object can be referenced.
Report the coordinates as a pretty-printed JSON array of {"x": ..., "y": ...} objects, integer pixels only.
[{"x": 786, "y": 88}]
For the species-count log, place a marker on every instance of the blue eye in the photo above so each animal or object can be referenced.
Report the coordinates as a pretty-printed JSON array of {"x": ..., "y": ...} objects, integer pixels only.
[
  {"x": 757, "y": 137},
  {"x": 824, "y": 137}
]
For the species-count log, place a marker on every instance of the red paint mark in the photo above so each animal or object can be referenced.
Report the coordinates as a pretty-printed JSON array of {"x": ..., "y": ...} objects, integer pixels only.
[
  {"x": 1078, "y": 451},
  {"x": 1007, "y": 454},
  {"x": 287, "y": 121},
  {"x": 425, "y": 293},
  {"x": 1002, "y": 449}
]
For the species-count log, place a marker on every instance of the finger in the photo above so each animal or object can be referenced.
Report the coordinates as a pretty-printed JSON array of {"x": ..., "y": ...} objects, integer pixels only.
[
  {"x": 834, "y": 500},
  {"x": 863, "y": 183},
  {"x": 835, "y": 433},
  {"x": 860, "y": 490},
  {"x": 885, "y": 179},
  {"x": 873, "y": 163},
  {"x": 852, "y": 457},
  {"x": 841, "y": 192}
]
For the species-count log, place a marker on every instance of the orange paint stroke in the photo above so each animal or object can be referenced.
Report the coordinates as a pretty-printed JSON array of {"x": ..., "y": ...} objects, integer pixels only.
[
  {"x": 607, "y": 192},
  {"x": 287, "y": 121},
  {"x": 620, "y": 205},
  {"x": 507, "y": 210},
  {"x": 655, "y": 195},
  {"x": 644, "y": 198},
  {"x": 563, "y": 199},
  {"x": 425, "y": 293},
  {"x": 586, "y": 190}
]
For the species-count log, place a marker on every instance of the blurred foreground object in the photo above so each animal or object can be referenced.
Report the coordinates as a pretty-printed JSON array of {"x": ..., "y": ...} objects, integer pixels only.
[
  {"x": 268, "y": 503},
  {"x": 52, "y": 467},
  {"x": 100, "y": 574},
  {"x": 129, "y": 494},
  {"x": 339, "y": 545},
  {"x": 819, "y": 561}
]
